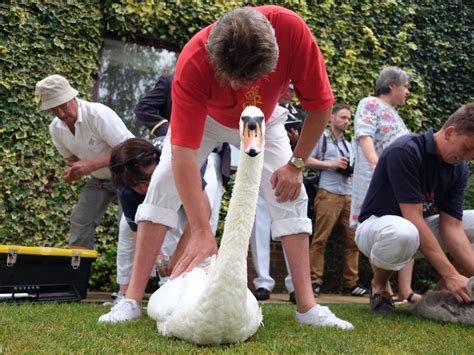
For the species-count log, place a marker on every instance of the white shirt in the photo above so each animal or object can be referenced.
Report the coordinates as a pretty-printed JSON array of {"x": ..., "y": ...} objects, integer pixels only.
[{"x": 98, "y": 129}]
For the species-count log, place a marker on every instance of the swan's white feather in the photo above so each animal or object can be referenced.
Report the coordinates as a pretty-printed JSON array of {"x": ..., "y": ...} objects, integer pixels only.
[{"x": 212, "y": 304}]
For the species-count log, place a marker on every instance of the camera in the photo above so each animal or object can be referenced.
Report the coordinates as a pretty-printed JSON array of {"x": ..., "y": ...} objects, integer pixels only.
[{"x": 347, "y": 172}]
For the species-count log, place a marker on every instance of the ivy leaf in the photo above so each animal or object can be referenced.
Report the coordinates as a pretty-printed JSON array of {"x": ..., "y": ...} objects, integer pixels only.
[{"x": 58, "y": 43}]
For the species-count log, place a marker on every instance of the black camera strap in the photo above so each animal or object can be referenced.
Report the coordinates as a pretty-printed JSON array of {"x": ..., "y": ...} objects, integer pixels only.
[
  {"x": 334, "y": 140},
  {"x": 325, "y": 146}
]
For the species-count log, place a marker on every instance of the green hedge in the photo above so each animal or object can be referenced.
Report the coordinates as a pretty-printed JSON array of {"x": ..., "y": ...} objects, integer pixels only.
[
  {"x": 38, "y": 40},
  {"x": 432, "y": 40}
]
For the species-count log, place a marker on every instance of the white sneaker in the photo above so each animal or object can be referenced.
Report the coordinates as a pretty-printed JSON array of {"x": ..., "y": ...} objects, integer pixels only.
[
  {"x": 321, "y": 316},
  {"x": 118, "y": 297},
  {"x": 126, "y": 310}
]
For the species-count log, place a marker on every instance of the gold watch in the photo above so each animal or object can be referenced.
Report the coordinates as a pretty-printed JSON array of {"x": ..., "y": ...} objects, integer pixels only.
[{"x": 297, "y": 162}]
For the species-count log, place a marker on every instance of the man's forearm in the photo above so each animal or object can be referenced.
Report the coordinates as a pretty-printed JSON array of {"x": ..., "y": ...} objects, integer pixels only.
[
  {"x": 313, "y": 163},
  {"x": 102, "y": 161},
  {"x": 429, "y": 245},
  {"x": 86, "y": 167},
  {"x": 456, "y": 241},
  {"x": 189, "y": 187},
  {"x": 432, "y": 251}
]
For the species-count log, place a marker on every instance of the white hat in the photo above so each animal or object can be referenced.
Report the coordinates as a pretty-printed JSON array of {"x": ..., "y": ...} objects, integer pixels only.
[{"x": 54, "y": 91}]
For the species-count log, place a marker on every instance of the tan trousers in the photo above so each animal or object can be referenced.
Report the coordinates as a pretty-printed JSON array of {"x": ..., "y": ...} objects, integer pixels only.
[{"x": 331, "y": 209}]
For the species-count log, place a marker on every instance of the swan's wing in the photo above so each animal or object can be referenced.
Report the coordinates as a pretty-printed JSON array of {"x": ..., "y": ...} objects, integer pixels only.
[
  {"x": 179, "y": 293},
  {"x": 254, "y": 312},
  {"x": 164, "y": 300}
]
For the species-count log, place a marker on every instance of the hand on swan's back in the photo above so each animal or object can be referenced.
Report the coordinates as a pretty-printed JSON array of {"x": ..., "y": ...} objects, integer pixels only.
[{"x": 212, "y": 304}]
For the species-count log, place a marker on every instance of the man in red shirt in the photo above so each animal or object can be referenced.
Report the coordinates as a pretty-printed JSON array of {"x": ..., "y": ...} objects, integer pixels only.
[{"x": 247, "y": 57}]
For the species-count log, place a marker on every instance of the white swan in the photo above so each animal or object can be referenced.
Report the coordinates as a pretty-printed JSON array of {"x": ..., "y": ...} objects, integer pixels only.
[{"x": 212, "y": 304}]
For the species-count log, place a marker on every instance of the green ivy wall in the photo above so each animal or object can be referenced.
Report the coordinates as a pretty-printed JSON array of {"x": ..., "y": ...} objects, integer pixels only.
[{"x": 430, "y": 39}]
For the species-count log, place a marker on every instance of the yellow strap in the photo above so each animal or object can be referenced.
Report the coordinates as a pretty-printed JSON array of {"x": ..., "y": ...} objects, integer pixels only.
[
  {"x": 158, "y": 125},
  {"x": 85, "y": 253}
]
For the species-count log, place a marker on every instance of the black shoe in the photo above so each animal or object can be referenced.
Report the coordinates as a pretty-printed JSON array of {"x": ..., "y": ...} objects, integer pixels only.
[
  {"x": 262, "y": 294},
  {"x": 292, "y": 297},
  {"x": 381, "y": 303},
  {"x": 358, "y": 290},
  {"x": 316, "y": 288}
]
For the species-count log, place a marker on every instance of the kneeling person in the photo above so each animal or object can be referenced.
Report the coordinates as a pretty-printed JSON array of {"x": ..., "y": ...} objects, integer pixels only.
[{"x": 414, "y": 208}]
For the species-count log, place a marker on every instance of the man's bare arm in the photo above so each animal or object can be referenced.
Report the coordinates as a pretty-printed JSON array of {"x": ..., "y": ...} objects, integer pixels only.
[
  {"x": 86, "y": 167},
  {"x": 287, "y": 180},
  {"x": 430, "y": 248},
  {"x": 202, "y": 243},
  {"x": 456, "y": 241}
]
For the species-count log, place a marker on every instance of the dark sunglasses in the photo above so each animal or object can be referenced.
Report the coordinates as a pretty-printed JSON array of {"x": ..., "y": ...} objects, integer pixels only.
[{"x": 143, "y": 159}]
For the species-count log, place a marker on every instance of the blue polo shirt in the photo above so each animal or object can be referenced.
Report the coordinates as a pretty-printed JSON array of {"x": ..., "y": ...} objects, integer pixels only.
[{"x": 409, "y": 171}]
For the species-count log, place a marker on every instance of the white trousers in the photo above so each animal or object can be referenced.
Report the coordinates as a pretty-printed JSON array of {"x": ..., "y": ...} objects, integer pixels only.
[
  {"x": 213, "y": 178},
  {"x": 162, "y": 200},
  {"x": 126, "y": 248},
  {"x": 125, "y": 252},
  {"x": 260, "y": 248},
  {"x": 391, "y": 242}
]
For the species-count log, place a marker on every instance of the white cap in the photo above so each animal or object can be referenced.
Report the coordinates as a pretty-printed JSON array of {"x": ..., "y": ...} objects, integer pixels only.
[{"x": 54, "y": 91}]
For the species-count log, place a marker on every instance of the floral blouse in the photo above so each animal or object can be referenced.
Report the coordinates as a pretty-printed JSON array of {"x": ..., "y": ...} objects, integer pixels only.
[{"x": 379, "y": 120}]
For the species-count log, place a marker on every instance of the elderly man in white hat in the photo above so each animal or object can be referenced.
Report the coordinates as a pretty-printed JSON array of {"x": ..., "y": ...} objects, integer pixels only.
[{"x": 84, "y": 133}]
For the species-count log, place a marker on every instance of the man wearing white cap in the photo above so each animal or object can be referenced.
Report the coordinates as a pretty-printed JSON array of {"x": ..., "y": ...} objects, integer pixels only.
[{"x": 84, "y": 133}]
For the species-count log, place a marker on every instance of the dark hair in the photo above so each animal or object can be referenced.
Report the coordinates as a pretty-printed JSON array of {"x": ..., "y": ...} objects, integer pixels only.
[
  {"x": 390, "y": 76},
  {"x": 242, "y": 46},
  {"x": 462, "y": 119},
  {"x": 128, "y": 160},
  {"x": 338, "y": 107}
]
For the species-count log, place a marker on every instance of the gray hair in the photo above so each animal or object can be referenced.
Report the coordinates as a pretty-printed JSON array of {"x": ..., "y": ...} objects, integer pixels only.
[
  {"x": 242, "y": 46},
  {"x": 390, "y": 76}
]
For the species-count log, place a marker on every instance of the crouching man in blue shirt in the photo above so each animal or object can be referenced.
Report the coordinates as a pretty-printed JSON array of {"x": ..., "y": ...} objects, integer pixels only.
[{"x": 414, "y": 208}]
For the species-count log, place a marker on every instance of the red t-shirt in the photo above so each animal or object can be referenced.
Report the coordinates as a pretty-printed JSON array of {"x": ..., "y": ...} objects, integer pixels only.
[{"x": 196, "y": 92}]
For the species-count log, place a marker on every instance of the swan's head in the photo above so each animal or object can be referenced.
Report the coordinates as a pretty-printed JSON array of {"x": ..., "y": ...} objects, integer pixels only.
[{"x": 252, "y": 131}]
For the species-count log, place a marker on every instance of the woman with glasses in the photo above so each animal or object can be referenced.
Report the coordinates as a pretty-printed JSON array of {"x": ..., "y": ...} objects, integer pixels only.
[{"x": 132, "y": 165}]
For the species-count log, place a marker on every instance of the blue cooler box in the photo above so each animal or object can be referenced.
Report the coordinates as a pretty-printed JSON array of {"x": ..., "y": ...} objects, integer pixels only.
[{"x": 38, "y": 274}]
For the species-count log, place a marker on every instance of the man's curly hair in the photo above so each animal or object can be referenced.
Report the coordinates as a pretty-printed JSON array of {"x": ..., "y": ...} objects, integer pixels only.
[{"x": 242, "y": 46}]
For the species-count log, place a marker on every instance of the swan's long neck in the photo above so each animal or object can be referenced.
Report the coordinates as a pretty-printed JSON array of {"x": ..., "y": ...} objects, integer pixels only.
[
  {"x": 241, "y": 213},
  {"x": 229, "y": 275}
]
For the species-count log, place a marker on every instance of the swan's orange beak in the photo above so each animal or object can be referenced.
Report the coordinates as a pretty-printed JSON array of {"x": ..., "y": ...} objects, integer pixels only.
[{"x": 252, "y": 135}]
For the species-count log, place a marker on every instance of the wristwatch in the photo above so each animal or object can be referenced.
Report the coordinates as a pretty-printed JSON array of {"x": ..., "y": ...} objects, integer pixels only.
[{"x": 297, "y": 162}]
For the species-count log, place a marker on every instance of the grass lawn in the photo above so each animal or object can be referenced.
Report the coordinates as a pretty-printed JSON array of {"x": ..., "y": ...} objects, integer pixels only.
[{"x": 52, "y": 328}]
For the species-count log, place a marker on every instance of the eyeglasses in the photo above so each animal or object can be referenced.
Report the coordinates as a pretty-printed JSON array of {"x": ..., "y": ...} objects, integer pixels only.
[{"x": 143, "y": 159}]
